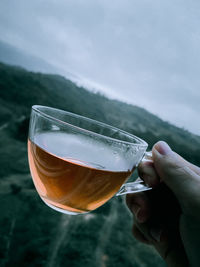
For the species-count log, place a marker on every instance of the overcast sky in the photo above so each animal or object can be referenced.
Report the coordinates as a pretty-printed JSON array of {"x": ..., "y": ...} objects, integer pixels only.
[{"x": 145, "y": 52}]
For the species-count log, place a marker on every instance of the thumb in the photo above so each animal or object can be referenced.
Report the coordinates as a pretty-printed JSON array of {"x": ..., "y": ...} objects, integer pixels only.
[{"x": 177, "y": 174}]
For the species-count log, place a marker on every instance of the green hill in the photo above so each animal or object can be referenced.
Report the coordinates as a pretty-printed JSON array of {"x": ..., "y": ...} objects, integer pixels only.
[{"x": 31, "y": 233}]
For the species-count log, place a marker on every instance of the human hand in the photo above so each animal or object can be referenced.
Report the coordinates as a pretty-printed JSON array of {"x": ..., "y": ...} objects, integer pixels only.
[{"x": 168, "y": 217}]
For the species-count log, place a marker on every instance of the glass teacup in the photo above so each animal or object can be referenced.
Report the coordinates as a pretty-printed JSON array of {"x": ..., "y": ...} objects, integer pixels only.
[{"x": 77, "y": 164}]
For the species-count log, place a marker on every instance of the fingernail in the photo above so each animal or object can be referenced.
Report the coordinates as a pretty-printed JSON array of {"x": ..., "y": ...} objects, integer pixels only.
[
  {"x": 148, "y": 179},
  {"x": 163, "y": 148},
  {"x": 135, "y": 208},
  {"x": 156, "y": 233},
  {"x": 141, "y": 218}
]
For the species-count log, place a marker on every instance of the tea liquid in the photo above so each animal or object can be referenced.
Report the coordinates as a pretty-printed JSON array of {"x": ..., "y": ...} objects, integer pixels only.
[{"x": 73, "y": 173}]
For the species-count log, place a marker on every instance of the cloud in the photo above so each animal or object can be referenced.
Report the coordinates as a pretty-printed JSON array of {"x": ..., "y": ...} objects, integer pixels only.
[{"x": 144, "y": 52}]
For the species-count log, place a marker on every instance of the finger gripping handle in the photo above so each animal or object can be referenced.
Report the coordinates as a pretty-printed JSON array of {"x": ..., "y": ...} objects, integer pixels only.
[{"x": 138, "y": 185}]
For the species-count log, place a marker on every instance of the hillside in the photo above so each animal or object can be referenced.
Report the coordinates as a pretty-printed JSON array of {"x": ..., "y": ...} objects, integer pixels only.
[
  {"x": 31, "y": 233},
  {"x": 19, "y": 90}
]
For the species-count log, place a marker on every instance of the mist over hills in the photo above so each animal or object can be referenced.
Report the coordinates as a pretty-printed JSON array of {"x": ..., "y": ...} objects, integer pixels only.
[
  {"x": 31, "y": 233},
  {"x": 12, "y": 55}
]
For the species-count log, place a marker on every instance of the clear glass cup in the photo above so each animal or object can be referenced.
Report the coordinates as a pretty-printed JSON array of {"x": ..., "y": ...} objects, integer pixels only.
[{"x": 77, "y": 164}]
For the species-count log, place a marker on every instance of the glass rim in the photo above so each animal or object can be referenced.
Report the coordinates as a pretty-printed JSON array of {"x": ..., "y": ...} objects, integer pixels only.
[{"x": 140, "y": 141}]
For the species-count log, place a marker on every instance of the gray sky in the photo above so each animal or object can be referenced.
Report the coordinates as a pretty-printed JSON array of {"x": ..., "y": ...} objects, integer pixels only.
[{"x": 145, "y": 52}]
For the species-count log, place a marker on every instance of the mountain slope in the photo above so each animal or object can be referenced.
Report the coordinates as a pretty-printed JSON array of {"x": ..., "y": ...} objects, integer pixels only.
[{"x": 20, "y": 89}]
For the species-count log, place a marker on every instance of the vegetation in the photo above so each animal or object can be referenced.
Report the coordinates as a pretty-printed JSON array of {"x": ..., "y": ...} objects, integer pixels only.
[{"x": 32, "y": 234}]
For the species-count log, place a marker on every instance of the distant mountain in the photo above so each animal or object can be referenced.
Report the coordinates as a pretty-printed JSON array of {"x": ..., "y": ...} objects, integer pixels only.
[
  {"x": 31, "y": 233},
  {"x": 10, "y": 54}
]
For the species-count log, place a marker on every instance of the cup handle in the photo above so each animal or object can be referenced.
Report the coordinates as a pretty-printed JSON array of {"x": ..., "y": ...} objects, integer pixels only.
[{"x": 138, "y": 185}]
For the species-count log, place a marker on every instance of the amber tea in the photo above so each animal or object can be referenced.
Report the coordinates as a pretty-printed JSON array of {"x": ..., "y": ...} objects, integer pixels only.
[{"x": 73, "y": 174}]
